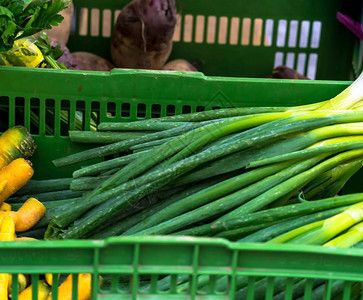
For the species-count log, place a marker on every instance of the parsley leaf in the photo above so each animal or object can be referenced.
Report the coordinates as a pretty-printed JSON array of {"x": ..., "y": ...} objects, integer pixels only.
[{"x": 23, "y": 18}]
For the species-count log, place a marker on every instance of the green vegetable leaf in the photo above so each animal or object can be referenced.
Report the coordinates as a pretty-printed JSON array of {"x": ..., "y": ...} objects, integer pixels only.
[
  {"x": 24, "y": 2},
  {"x": 45, "y": 15},
  {"x": 51, "y": 54},
  {"x": 9, "y": 31},
  {"x": 23, "y": 18},
  {"x": 5, "y": 12}
]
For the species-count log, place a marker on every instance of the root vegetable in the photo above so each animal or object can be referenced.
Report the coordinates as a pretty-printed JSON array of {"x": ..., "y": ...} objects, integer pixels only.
[
  {"x": 49, "y": 278},
  {"x": 179, "y": 65},
  {"x": 22, "y": 283},
  {"x": 283, "y": 72},
  {"x": 7, "y": 229},
  {"x": 5, "y": 207},
  {"x": 143, "y": 34},
  {"x": 4, "y": 283},
  {"x": 16, "y": 142},
  {"x": 25, "y": 238},
  {"x": 29, "y": 214},
  {"x": 91, "y": 62},
  {"x": 17, "y": 174},
  {"x": 43, "y": 292},
  {"x": 84, "y": 288},
  {"x": 3, "y": 186}
]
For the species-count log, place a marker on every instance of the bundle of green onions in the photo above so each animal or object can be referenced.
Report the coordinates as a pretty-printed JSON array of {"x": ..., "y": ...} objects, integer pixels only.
[
  {"x": 324, "y": 232},
  {"x": 335, "y": 227},
  {"x": 211, "y": 167}
]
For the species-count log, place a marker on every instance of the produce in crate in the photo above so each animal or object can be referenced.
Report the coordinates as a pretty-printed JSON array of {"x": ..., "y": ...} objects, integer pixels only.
[
  {"x": 284, "y": 72},
  {"x": 91, "y": 62},
  {"x": 14, "y": 176},
  {"x": 15, "y": 172},
  {"x": 29, "y": 214},
  {"x": 43, "y": 291},
  {"x": 313, "y": 232},
  {"x": 143, "y": 34},
  {"x": 19, "y": 47},
  {"x": 22, "y": 220},
  {"x": 323, "y": 232},
  {"x": 326, "y": 151},
  {"x": 179, "y": 65},
  {"x": 84, "y": 288},
  {"x": 291, "y": 215},
  {"x": 21, "y": 20},
  {"x": 65, "y": 58},
  {"x": 322, "y": 144},
  {"x": 15, "y": 143},
  {"x": 10, "y": 223}
]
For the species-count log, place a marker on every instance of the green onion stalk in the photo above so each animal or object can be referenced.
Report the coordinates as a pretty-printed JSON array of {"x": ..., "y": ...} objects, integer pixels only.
[{"x": 327, "y": 232}]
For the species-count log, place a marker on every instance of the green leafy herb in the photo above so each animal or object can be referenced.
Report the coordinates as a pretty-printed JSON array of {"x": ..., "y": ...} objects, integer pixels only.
[{"x": 23, "y": 18}]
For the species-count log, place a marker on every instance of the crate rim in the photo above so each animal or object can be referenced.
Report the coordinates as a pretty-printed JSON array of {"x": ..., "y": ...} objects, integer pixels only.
[
  {"x": 166, "y": 73},
  {"x": 183, "y": 240}
]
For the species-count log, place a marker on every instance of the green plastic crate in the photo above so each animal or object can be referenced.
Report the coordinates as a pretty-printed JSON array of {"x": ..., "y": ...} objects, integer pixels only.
[
  {"x": 244, "y": 38},
  {"x": 177, "y": 258},
  {"x": 132, "y": 95}
]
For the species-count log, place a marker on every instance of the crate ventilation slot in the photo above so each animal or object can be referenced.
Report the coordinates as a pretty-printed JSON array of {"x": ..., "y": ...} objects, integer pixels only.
[
  {"x": 220, "y": 30},
  {"x": 247, "y": 31},
  {"x": 305, "y": 64},
  {"x": 285, "y": 34}
]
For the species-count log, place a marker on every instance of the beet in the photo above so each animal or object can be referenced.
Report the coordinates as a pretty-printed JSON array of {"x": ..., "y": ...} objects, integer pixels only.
[{"x": 143, "y": 34}]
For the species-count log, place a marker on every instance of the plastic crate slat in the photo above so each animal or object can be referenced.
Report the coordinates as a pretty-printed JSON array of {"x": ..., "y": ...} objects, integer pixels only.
[
  {"x": 327, "y": 290},
  {"x": 289, "y": 288},
  {"x": 308, "y": 289},
  {"x": 34, "y": 286},
  {"x": 347, "y": 289},
  {"x": 14, "y": 287}
]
